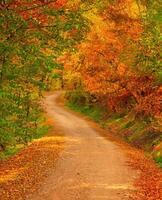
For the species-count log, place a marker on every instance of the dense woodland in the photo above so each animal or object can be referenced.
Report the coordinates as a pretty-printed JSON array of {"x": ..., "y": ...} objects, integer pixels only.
[
  {"x": 33, "y": 35},
  {"x": 105, "y": 54}
]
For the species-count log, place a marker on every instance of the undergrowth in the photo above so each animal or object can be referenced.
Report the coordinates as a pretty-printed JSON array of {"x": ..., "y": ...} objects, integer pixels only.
[
  {"x": 94, "y": 113},
  {"x": 11, "y": 150},
  {"x": 132, "y": 131}
]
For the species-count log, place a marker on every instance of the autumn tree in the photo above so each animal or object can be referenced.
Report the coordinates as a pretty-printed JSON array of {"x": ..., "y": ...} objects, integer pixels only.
[
  {"x": 119, "y": 64},
  {"x": 33, "y": 35}
]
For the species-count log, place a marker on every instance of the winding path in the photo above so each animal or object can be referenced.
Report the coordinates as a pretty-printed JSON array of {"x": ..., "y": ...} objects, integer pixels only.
[{"x": 90, "y": 167}]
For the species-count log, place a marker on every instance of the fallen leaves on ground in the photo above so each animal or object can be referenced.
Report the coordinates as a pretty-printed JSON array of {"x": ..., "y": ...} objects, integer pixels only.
[
  {"x": 23, "y": 174},
  {"x": 148, "y": 183}
]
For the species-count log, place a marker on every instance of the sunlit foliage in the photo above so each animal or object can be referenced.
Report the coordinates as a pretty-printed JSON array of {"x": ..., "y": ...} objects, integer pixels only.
[{"x": 33, "y": 35}]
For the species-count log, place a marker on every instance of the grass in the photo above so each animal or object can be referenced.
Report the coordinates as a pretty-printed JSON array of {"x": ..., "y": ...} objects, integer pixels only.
[
  {"x": 128, "y": 125},
  {"x": 41, "y": 131},
  {"x": 159, "y": 161},
  {"x": 94, "y": 113},
  {"x": 10, "y": 151},
  {"x": 122, "y": 124}
]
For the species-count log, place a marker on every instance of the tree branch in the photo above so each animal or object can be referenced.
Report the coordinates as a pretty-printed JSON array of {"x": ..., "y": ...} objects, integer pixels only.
[{"x": 34, "y": 7}]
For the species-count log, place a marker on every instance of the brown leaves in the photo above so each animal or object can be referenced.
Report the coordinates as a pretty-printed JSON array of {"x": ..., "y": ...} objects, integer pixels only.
[
  {"x": 149, "y": 183},
  {"x": 23, "y": 174}
]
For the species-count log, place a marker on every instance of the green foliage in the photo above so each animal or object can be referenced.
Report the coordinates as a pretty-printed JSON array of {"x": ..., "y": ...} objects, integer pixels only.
[
  {"x": 92, "y": 112},
  {"x": 149, "y": 58},
  {"x": 9, "y": 152},
  {"x": 128, "y": 125},
  {"x": 77, "y": 97},
  {"x": 41, "y": 131},
  {"x": 26, "y": 67},
  {"x": 159, "y": 161},
  {"x": 81, "y": 102}
]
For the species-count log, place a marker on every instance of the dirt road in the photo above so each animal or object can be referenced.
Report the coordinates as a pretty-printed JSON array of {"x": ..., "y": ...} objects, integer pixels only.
[{"x": 89, "y": 168}]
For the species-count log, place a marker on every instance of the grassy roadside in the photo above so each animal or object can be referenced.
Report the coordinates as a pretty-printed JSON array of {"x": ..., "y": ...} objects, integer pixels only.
[
  {"x": 132, "y": 131},
  {"x": 94, "y": 113},
  {"x": 12, "y": 150},
  {"x": 28, "y": 166}
]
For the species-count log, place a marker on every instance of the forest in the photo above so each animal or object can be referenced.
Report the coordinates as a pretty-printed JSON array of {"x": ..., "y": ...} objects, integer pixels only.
[
  {"x": 105, "y": 54},
  {"x": 104, "y": 58},
  {"x": 34, "y": 34}
]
